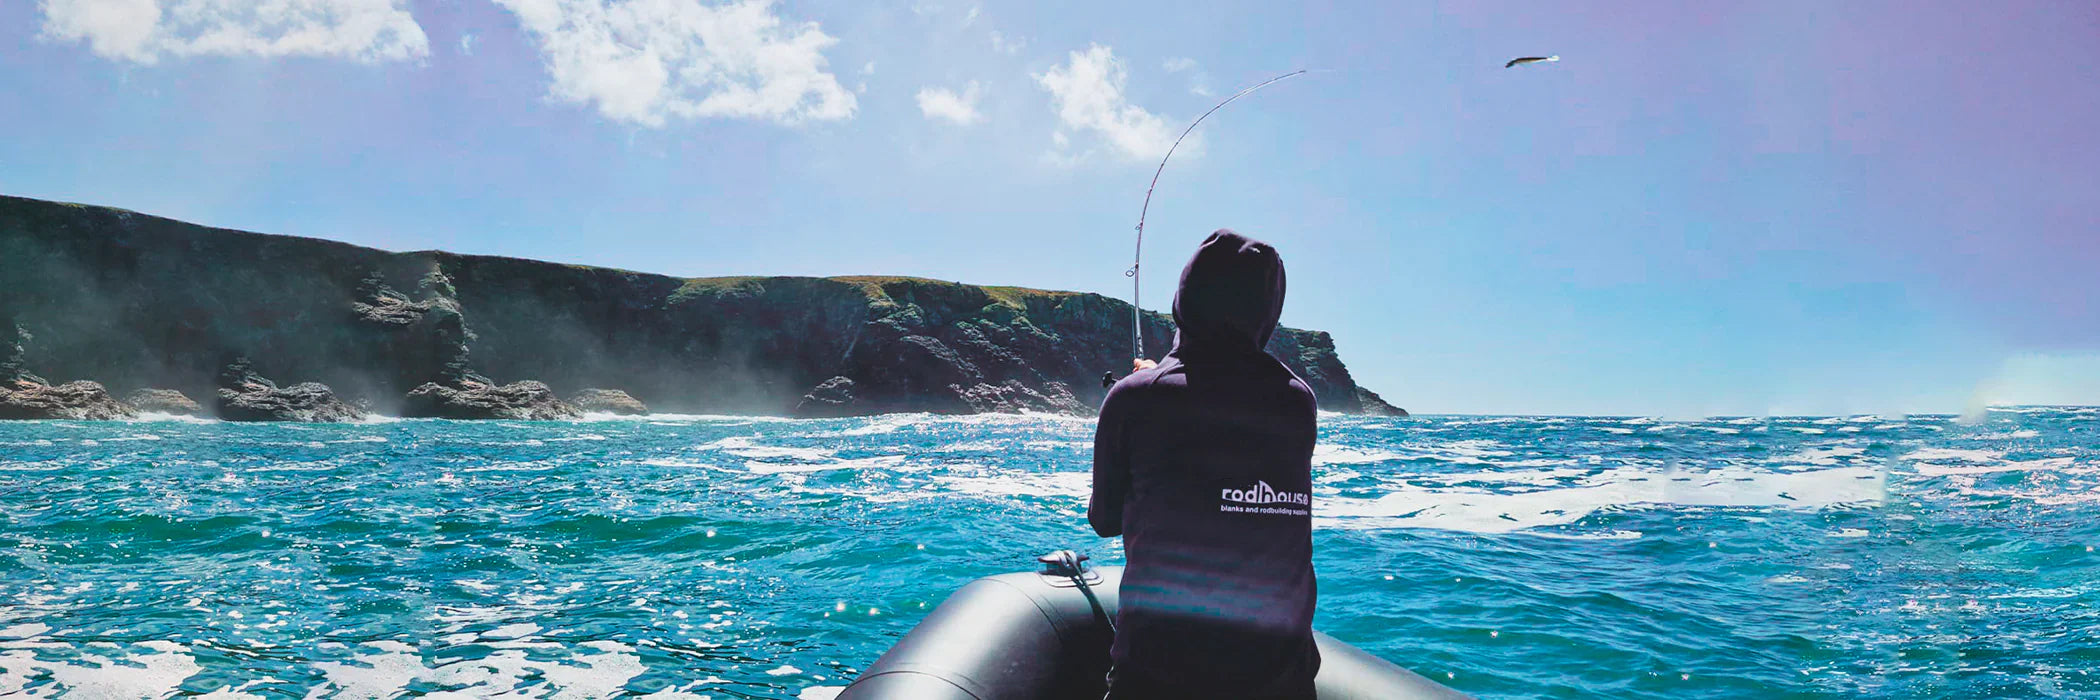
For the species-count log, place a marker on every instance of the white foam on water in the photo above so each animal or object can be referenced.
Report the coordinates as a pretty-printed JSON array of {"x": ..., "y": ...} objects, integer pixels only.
[
  {"x": 508, "y": 672},
  {"x": 742, "y": 446},
  {"x": 717, "y": 418},
  {"x": 517, "y": 630},
  {"x": 883, "y": 462},
  {"x": 153, "y": 669},
  {"x": 1850, "y": 533},
  {"x": 239, "y": 692},
  {"x": 2053, "y": 464},
  {"x": 1074, "y": 484},
  {"x": 25, "y": 630},
  {"x": 600, "y": 676},
  {"x": 1485, "y": 511},
  {"x": 880, "y": 425},
  {"x": 976, "y": 446},
  {"x": 660, "y": 462},
  {"x": 1942, "y": 454},
  {"x": 1605, "y": 535},
  {"x": 1822, "y": 456},
  {"x": 1331, "y": 476},
  {"x": 1466, "y": 451},
  {"x": 1324, "y": 455},
  {"x": 157, "y": 417},
  {"x": 372, "y": 676},
  {"x": 784, "y": 670}
]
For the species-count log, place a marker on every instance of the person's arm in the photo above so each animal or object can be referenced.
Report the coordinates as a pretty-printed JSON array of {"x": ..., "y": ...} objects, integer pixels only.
[{"x": 1111, "y": 465}]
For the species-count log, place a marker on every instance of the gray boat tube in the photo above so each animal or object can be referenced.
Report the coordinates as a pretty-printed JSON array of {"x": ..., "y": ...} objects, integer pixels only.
[{"x": 1038, "y": 636}]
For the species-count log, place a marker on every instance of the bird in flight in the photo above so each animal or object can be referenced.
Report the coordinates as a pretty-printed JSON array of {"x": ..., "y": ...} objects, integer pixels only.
[{"x": 1514, "y": 62}]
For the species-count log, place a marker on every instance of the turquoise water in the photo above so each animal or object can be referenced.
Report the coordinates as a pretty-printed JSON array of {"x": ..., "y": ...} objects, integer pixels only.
[{"x": 737, "y": 558}]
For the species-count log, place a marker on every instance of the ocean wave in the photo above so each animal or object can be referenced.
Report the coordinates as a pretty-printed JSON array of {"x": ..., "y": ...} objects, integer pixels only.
[
  {"x": 1496, "y": 511},
  {"x": 1072, "y": 485},
  {"x": 156, "y": 417},
  {"x": 495, "y": 565},
  {"x": 884, "y": 462}
]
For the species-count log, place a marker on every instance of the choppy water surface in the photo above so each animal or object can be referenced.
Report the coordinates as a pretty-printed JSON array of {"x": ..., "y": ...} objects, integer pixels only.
[{"x": 740, "y": 558}]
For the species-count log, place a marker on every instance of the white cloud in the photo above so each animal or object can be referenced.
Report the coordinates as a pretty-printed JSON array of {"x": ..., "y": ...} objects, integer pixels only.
[
  {"x": 942, "y": 103},
  {"x": 1005, "y": 44},
  {"x": 466, "y": 44},
  {"x": 649, "y": 61},
  {"x": 1199, "y": 81},
  {"x": 1088, "y": 94},
  {"x": 143, "y": 31},
  {"x": 971, "y": 18}
]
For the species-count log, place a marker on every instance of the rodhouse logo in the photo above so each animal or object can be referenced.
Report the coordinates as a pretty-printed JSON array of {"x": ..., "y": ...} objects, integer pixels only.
[{"x": 1262, "y": 494}]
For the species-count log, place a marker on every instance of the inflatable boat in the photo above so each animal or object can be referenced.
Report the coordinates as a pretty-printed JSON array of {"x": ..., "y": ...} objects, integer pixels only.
[{"x": 1045, "y": 636}]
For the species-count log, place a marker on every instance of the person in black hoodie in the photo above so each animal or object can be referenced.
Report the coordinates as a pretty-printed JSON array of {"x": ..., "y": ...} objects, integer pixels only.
[{"x": 1203, "y": 464}]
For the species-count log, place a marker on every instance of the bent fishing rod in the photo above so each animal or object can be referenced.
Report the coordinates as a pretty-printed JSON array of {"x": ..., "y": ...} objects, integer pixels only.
[{"x": 1137, "y": 318}]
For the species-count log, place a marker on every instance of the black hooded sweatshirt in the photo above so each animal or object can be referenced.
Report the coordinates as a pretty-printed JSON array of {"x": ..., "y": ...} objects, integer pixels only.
[{"x": 1204, "y": 465}]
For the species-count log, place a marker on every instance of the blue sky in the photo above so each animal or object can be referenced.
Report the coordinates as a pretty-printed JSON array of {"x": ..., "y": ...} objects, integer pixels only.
[{"x": 1723, "y": 208}]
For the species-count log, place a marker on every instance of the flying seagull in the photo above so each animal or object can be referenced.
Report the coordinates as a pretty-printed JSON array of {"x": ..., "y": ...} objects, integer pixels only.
[{"x": 1514, "y": 62}]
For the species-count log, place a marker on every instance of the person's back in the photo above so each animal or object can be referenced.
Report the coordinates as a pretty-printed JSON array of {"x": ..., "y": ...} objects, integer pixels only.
[{"x": 1203, "y": 464}]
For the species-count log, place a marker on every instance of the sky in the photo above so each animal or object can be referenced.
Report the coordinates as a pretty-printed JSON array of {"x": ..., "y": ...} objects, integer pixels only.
[{"x": 1716, "y": 208}]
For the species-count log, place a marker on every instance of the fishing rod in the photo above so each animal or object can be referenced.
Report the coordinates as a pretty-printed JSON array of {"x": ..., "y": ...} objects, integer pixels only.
[{"x": 1137, "y": 319}]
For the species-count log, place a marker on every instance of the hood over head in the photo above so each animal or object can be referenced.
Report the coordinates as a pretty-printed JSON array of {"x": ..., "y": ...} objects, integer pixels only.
[{"x": 1230, "y": 297}]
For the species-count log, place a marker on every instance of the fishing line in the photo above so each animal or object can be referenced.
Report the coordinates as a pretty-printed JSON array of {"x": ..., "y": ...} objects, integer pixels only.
[{"x": 1137, "y": 325}]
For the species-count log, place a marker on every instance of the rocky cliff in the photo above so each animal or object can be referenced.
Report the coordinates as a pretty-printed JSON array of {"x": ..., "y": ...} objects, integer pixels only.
[{"x": 136, "y": 301}]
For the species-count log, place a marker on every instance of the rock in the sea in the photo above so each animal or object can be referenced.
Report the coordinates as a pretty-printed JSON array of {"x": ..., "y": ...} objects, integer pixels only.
[
  {"x": 831, "y": 399},
  {"x": 24, "y": 398},
  {"x": 526, "y": 400},
  {"x": 247, "y": 396},
  {"x": 1012, "y": 396},
  {"x": 611, "y": 401},
  {"x": 165, "y": 401},
  {"x": 1375, "y": 405}
]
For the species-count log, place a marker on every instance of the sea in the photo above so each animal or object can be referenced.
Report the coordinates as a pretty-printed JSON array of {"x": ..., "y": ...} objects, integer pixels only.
[{"x": 671, "y": 556}]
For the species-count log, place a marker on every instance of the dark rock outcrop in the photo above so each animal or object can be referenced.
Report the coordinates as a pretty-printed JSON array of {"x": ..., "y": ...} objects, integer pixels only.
[
  {"x": 1375, "y": 405},
  {"x": 117, "y": 296},
  {"x": 25, "y": 398},
  {"x": 165, "y": 401},
  {"x": 14, "y": 352},
  {"x": 247, "y": 396},
  {"x": 527, "y": 400},
  {"x": 831, "y": 399},
  {"x": 611, "y": 401}
]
